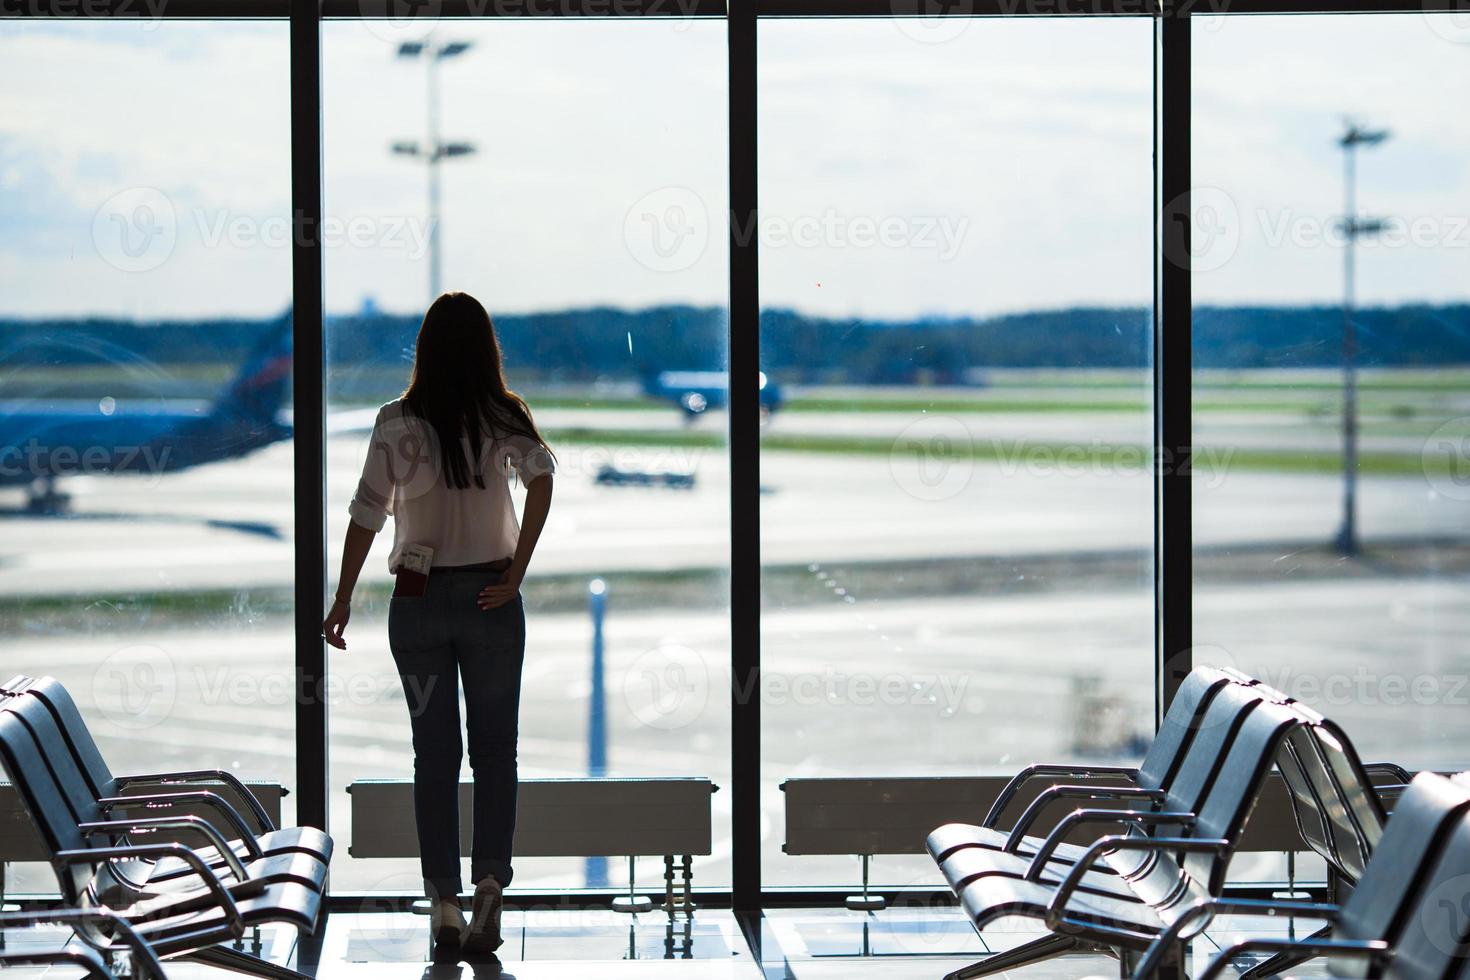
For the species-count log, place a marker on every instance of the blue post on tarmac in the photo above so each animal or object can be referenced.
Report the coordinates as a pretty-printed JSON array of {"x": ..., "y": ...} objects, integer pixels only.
[{"x": 596, "y": 873}]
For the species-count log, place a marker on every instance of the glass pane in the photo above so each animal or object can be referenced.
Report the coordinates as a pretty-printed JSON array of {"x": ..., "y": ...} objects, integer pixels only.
[
  {"x": 957, "y": 513},
  {"x": 586, "y": 211},
  {"x": 145, "y": 293},
  {"x": 1367, "y": 626}
]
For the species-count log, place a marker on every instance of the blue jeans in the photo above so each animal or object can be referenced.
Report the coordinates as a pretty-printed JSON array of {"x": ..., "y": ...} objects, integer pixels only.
[{"x": 436, "y": 638}]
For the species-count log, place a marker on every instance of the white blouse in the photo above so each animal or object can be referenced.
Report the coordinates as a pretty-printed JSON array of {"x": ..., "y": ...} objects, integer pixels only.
[{"x": 402, "y": 476}]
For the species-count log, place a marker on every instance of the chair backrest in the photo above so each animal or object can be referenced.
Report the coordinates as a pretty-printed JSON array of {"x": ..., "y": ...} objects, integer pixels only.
[
  {"x": 1178, "y": 728},
  {"x": 1334, "y": 805},
  {"x": 78, "y": 796},
  {"x": 1383, "y": 900},
  {"x": 1235, "y": 789},
  {"x": 1435, "y": 941},
  {"x": 1360, "y": 797},
  {"x": 1214, "y": 734},
  {"x": 1313, "y": 798},
  {"x": 1207, "y": 761},
  {"x": 78, "y": 737},
  {"x": 25, "y": 764}
]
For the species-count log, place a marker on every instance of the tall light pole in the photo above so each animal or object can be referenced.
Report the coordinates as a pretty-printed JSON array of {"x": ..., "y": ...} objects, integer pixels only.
[
  {"x": 433, "y": 149},
  {"x": 1353, "y": 228}
]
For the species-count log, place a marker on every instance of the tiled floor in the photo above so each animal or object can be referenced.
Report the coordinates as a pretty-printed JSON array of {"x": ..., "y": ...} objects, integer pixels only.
[{"x": 807, "y": 944}]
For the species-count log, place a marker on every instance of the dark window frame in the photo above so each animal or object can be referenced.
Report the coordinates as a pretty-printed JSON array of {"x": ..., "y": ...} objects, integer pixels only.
[{"x": 1173, "y": 586}]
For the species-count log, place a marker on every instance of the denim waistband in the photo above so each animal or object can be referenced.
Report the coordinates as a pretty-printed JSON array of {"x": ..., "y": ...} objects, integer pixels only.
[{"x": 484, "y": 566}]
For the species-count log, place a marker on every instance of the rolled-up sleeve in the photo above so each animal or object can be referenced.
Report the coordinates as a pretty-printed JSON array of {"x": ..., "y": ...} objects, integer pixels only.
[
  {"x": 528, "y": 458},
  {"x": 373, "y": 501}
]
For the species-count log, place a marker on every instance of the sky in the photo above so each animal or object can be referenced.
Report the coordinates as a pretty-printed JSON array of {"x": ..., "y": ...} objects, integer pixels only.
[{"x": 908, "y": 168}]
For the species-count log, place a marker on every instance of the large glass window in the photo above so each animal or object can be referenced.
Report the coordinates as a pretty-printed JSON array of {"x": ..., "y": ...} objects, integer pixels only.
[
  {"x": 1332, "y": 393},
  {"x": 583, "y": 204},
  {"x": 955, "y": 313},
  {"x": 145, "y": 325}
]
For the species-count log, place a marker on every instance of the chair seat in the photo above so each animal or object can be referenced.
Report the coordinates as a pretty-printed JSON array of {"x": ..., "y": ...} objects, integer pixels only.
[
  {"x": 307, "y": 840},
  {"x": 954, "y": 836},
  {"x": 286, "y": 866},
  {"x": 73, "y": 952},
  {"x": 284, "y": 901},
  {"x": 968, "y": 864},
  {"x": 994, "y": 897},
  {"x": 288, "y": 840}
]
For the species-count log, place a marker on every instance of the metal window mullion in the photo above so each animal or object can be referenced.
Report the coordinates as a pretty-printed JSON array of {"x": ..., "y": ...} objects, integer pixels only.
[
  {"x": 744, "y": 435},
  {"x": 1173, "y": 302},
  {"x": 308, "y": 409}
]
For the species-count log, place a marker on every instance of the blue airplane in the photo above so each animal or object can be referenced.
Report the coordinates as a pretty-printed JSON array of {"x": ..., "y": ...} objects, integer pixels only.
[
  {"x": 695, "y": 392},
  {"x": 43, "y": 441}
]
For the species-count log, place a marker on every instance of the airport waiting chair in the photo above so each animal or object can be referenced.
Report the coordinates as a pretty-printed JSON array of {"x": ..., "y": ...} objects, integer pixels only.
[
  {"x": 1405, "y": 920},
  {"x": 1186, "y": 867},
  {"x": 1337, "y": 809},
  {"x": 261, "y": 839},
  {"x": 1199, "y": 767},
  {"x": 247, "y": 870},
  {"x": 1150, "y": 781},
  {"x": 188, "y": 920},
  {"x": 87, "y": 949}
]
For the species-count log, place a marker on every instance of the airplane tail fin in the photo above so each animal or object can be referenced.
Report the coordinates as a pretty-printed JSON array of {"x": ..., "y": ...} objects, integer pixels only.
[{"x": 259, "y": 389}]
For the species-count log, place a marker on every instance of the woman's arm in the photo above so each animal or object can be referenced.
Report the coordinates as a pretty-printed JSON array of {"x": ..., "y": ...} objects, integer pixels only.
[
  {"x": 538, "y": 505},
  {"x": 355, "y": 550}
]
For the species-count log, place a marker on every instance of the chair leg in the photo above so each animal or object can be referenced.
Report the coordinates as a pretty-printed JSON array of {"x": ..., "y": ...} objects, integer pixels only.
[
  {"x": 1280, "y": 962},
  {"x": 242, "y": 962},
  {"x": 1171, "y": 967},
  {"x": 1023, "y": 955}
]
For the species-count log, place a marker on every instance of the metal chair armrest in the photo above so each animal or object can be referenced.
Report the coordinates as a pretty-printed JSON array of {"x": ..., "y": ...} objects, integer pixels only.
[
  {"x": 1040, "y": 770},
  {"x": 1077, "y": 818},
  {"x": 97, "y": 855},
  {"x": 221, "y": 775},
  {"x": 1209, "y": 908},
  {"x": 147, "y": 824},
  {"x": 1392, "y": 770},
  {"x": 1370, "y": 949},
  {"x": 88, "y": 961},
  {"x": 1072, "y": 791},
  {"x": 1202, "y": 845},
  {"x": 143, "y": 954},
  {"x": 213, "y": 800}
]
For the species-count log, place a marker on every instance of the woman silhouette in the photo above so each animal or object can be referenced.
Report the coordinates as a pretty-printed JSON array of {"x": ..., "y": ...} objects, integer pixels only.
[{"x": 439, "y": 462}]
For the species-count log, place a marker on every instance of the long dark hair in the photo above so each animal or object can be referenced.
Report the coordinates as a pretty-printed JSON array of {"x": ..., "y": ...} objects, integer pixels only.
[{"x": 458, "y": 387}]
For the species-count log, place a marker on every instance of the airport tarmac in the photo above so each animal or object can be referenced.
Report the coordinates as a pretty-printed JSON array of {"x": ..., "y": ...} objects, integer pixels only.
[{"x": 229, "y": 525}]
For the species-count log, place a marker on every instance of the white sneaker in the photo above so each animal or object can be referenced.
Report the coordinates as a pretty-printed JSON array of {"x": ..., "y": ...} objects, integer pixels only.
[
  {"x": 446, "y": 922},
  {"x": 484, "y": 928}
]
